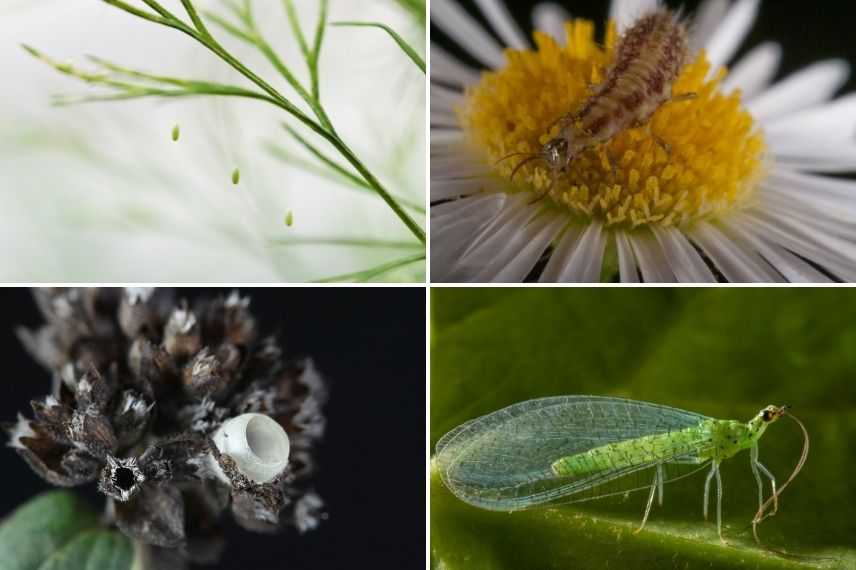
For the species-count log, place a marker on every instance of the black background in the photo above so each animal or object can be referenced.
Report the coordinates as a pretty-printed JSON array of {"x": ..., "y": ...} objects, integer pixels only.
[
  {"x": 808, "y": 30},
  {"x": 370, "y": 345}
]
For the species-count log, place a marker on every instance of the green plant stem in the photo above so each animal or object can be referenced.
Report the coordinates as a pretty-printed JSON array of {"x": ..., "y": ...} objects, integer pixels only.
[
  {"x": 372, "y": 272},
  {"x": 253, "y": 37},
  {"x": 405, "y": 47},
  {"x": 338, "y": 173},
  {"x": 352, "y": 242},
  {"x": 209, "y": 42}
]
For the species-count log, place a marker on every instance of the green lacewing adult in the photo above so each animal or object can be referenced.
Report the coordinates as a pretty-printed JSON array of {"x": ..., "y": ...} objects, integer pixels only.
[{"x": 566, "y": 449}]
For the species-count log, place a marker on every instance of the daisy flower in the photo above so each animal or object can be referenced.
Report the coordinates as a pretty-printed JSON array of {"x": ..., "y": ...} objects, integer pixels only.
[{"x": 729, "y": 185}]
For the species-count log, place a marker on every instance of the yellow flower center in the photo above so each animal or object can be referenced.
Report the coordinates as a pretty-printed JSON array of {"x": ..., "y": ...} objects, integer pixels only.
[{"x": 712, "y": 166}]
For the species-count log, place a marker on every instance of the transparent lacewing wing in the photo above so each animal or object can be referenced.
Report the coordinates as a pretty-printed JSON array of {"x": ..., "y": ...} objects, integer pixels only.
[{"x": 567, "y": 449}]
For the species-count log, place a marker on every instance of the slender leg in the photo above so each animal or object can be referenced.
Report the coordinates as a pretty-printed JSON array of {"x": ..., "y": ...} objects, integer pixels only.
[
  {"x": 650, "y": 501},
  {"x": 753, "y": 462},
  {"x": 661, "y": 478},
  {"x": 766, "y": 472},
  {"x": 562, "y": 121},
  {"x": 663, "y": 144},
  {"x": 682, "y": 97},
  {"x": 646, "y": 126},
  {"x": 707, "y": 487},
  {"x": 719, "y": 504},
  {"x": 612, "y": 164}
]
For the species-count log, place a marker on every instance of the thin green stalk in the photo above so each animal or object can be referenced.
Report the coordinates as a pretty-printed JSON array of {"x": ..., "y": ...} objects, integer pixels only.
[
  {"x": 136, "y": 11},
  {"x": 372, "y": 272},
  {"x": 316, "y": 49},
  {"x": 197, "y": 21},
  {"x": 295, "y": 27},
  {"x": 253, "y": 37},
  {"x": 405, "y": 47},
  {"x": 353, "y": 242},
  {"x": 338, "y": 174},
  {"x": 201, "y": 35}
]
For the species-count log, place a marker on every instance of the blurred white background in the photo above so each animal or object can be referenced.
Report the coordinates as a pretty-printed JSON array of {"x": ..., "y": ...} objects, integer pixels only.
[{"x": 100, "y": 192}]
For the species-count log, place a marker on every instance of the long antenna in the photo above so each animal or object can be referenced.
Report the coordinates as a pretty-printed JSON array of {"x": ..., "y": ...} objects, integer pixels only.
[{"x": 761, "y": 514}]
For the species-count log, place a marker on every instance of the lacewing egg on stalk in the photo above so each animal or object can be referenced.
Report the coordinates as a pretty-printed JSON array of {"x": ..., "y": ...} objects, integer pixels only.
[
  {"x": 236, "y": 176},
  {"x": 258, "y": 445}
]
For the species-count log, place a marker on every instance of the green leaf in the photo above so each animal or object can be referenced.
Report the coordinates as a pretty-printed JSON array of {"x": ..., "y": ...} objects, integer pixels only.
[
  {"x": 725, "y": 353},
  {"x": 405, "y": 47},
  {"x": 58, "y": 531}
]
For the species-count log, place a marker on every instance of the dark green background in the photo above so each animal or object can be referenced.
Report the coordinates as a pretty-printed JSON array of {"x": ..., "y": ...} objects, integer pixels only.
[{"x": 725, "y": 353}]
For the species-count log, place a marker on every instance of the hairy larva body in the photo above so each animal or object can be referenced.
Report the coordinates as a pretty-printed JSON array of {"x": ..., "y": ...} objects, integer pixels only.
[{"x": 649, "y": 58}]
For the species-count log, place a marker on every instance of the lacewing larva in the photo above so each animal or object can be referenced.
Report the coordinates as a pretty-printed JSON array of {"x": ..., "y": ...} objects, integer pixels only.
[
  {"x": 566, "y": 449},
  {"x": 649, "y": 57}
]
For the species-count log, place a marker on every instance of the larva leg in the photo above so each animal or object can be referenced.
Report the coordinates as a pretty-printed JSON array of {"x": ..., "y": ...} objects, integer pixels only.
[
  {"x": 646, "y": 126},
  {"x": 663, "y": 144},
  {"x": 562, "y": 122},
  {"x": 613, "y": 165},
  {"x": 682, "y": 97}
]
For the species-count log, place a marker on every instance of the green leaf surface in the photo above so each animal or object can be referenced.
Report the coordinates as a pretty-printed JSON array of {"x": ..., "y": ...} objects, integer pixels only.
[
  {"x": 58, "y": 531},
  {"x": 725, "y": 353}
]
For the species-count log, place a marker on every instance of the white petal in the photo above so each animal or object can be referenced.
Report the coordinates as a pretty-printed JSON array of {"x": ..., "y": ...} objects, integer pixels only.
[
  {"x": 454, "y": 225},
  {"x": 814, "y": 185},
  {"x": 835, "y": 120},
  {"x": 814, "y": 84},
  {"x": 500, "y": 240},
  {"x": 443, "y": 102},
  {"x": 625, "y": 12},
  {"x": 465, "y": 208},
  {"x": 497, "y": 15},
  {"x": 687, "y": 265},
  {"x": 550, "y": 18},
  {"x": 523, "y": 255},
  {"x": 442, "y": 139},
  {"x": 626, "y": 264},
  {"x": 793, "y": 268},
  {"x": 461, "y": 168},
  {"x": 738, "y": 264},
  {"x": 445, "y": 189},
  {"x": 561, "y": 255},
  {"x": 825, "y": 217},
  {"x": 447, "y": 69},
  {"x": 586, "y": 259},
  {"x": 814, "y": 156},
  {"x": 805, "y": 242},
  {"x": 444, "y": 119},
  {"x": 653, "y": 263},
  {"x": 461, "y": 27},
  {"x": 730, "y": 33},
  {"x": 705, "y": 21},
  {"x": 754, "y": 71}
]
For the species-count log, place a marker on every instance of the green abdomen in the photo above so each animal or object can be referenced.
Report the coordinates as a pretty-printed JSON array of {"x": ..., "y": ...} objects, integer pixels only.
[{"x": 629, "y": 452}]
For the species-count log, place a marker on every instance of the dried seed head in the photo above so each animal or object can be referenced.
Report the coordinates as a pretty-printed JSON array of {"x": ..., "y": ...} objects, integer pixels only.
[
  {"x": 202, "y": 374},
  {"x": 134, "y": 312},
  {"x": 133, "y": 371},
  {"x": 181, "y": 336},
  {"x": 121, "y": 479}
]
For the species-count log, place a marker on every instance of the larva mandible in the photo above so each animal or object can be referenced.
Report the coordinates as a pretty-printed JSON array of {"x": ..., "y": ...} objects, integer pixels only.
[{"x": 649, "y": 57}]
